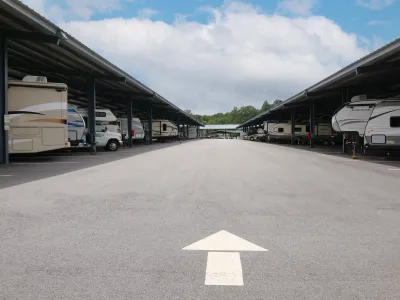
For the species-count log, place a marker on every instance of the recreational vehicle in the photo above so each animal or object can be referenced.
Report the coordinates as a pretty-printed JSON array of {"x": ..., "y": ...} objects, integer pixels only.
[
  {"x": 76, "y": 128},
  {"x": 38, "y": 115},
  {"x": 107, "y": 132},
  {"x": 163, "y": 130},
  {"x": 283, "y": 132},
  {"x": 137, "y": 128},
  {"x": 104, "y": 117},
  {"x": 373, "y": 123},
  {"x": 192, "y": 132}
]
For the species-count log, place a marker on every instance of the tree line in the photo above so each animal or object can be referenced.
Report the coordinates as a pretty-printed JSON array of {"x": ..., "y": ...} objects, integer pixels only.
[{"x": 236, "y": 116}]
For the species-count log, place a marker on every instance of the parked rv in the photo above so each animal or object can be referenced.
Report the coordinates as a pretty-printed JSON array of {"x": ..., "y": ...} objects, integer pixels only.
[
  {"x": 137, "y": 128},
  {"x": 104, "y": 117},
  {"x": 283, "y": 132},
  {"x": 107, "y": 131},
  {"x": 192, "y": 132},
  {"x": 163, "y": 130},
  {"x": 373, "y": 123},
  {"x": 38, "y": 115},
  {"x": 76, "y": 128},
  {"x": 106, "y": 138}
]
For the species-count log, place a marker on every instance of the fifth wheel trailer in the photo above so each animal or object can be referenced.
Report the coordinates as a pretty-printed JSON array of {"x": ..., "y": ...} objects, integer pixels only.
[
  {"x": 38, "y": 115},
  {"x": 373, "y": 123}
]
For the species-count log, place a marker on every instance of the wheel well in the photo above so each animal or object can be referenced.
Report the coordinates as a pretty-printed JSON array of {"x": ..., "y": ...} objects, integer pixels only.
[{"x": 112, "y": 140}]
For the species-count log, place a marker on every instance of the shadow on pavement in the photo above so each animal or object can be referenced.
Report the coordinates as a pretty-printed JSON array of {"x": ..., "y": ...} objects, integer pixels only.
[
  {"x": 27, "y": 168},
  {"x": 392, "y": 161}
]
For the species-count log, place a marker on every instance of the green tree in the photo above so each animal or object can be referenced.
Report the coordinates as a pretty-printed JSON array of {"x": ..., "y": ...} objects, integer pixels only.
[{"x": 265, "y": 106}]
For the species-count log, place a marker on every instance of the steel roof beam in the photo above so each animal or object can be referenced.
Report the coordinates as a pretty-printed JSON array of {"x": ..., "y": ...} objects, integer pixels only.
[
  {"x": 67, "y": 72},
  {"x": 13, "y": 34},
  {"x": 379, "y": 67}
]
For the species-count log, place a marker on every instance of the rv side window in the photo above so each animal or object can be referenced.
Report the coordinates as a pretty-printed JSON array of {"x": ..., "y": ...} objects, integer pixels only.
[
  {"x": 297, "y": 129},
  {"x": 394, "y": 121},
  {"x": 100, "y": 114},
  {"x": 280, "y": 129},
  {"x": 164, "y": 127}
]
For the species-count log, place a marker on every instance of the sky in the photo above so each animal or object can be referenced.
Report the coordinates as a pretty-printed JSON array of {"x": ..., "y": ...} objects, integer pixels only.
[{"x": 212, "y": 55}]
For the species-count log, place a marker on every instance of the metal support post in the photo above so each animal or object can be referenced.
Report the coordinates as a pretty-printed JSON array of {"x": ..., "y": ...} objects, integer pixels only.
[
  {"x": 91, "y": 94},
  {"x": 198, "y": 131},
  {"x": 344, "y": 100},
  {"x": 312, "y": 125},
  {"x": 150, "y": 121},
  {"x": 3, "y": 99},
  {"x": 293, "y": 119},
  {"x": 129, "y": 114}
]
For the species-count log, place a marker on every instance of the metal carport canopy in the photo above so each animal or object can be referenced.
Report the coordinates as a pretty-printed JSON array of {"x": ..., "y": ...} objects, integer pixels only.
[
  {"x": 73, "y": 63},
  {"x": 375, "y": 74}
]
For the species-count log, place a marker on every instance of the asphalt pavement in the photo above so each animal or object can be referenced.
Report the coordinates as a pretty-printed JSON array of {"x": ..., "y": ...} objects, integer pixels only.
[{"x": 257, "y": 221}]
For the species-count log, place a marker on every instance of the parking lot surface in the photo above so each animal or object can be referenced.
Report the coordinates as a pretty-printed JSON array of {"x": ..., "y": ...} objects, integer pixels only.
[
  {"x": 116, "y": 230},
  {"x": 26, "y": 168}
]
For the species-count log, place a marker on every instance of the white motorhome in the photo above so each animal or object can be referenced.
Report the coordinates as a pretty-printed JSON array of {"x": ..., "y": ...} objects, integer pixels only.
[
  {"x": 137, "y": 128},
  {"x": 374, "y": 123},
  {"x": 76, "y": 127},
  {"x": 163, "y": 129},
  {"x": 38, "y": 115},
  {"x": 104, "y": 117},
  {"x": 107, "y": 133}
]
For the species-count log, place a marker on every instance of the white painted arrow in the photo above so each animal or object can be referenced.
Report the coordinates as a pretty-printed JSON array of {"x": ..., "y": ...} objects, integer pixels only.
[{"x": 224, "y": 268}]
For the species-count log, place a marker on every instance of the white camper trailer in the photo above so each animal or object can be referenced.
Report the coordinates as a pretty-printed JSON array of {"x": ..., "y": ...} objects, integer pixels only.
[
  {"x": 137, "y": 128},
  {"x": 163, "y": 129},
  {"x": 76, "y": 127},
  {"x": 38, "y": 115},
  {"x": 374, "y": 123},
  {"x": 283, "y": 132},
  {"x": 192, "y": 132}
]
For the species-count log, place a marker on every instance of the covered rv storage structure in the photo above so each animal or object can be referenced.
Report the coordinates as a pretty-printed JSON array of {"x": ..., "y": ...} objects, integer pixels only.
[
  {"x": 32, "y": 45},
  {"x": 375, "y": 75}
]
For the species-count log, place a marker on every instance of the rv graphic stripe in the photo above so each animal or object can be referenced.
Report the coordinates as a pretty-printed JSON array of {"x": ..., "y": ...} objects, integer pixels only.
[
  {"x": 59, "y": 121},
  {"x": 23, "y": 112},
  {"x": 384, "y": 113}
]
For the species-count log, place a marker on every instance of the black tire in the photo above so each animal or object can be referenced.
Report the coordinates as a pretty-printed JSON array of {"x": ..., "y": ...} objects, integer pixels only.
[{"x": 112, "y": 145}]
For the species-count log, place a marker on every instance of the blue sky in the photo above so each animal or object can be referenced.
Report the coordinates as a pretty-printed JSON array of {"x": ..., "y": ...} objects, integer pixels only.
[
  {"x": 212, "y": 55},
  {"x": 382, "y": 20}
]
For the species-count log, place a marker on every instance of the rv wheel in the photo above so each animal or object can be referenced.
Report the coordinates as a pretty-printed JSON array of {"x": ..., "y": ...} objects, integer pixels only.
[{"x": 112, "y": 145}]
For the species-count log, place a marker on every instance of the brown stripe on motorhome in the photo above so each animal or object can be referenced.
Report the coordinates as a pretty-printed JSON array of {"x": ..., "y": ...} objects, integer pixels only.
[{"x": 59, "y": 121}]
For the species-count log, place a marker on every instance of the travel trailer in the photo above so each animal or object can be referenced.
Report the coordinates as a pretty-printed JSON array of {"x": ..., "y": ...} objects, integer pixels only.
[
  {"x": 76, "y": 128},
  {"x": 137, "y": 128},
  {"x": 373, "y": 123},
  {"x": 38, "y": 115},
  {"x": 163, "y": 129},
  {"x": 192, "y": 132},
  {"x": 257, "y": 136},
  {"x": 283, "y": 132}
]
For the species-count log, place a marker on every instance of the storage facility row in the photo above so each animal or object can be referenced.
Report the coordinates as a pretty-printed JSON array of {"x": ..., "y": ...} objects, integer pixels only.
[{"x": 44, "y": 72}]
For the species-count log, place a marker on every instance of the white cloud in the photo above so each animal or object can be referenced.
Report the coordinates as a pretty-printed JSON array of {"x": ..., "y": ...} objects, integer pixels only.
[
  {"x": 375, "y": 4},
  {"x": 36, "y": 5},
  {"x": 240, "y": 57},
  {"x": 147, "y": 13},
  {"x": 73, "y": 9},
  {"x": 297, "y": 7},
  {"x": 378, "y": 22}
]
